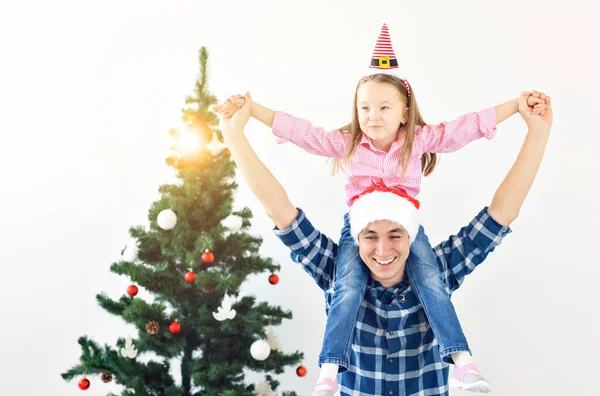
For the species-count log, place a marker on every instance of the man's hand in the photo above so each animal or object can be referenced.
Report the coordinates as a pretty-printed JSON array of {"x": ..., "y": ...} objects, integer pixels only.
[
  {"x": 234, "y": 113},
  {"x": 540, "y": 115},
  {"x": 537, "y": 102}
]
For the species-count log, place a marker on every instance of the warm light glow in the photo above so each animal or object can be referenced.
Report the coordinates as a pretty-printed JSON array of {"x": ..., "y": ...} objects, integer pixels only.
[
  {"x": 189, "y": 142},
  {"x": 185, "y": 140}
]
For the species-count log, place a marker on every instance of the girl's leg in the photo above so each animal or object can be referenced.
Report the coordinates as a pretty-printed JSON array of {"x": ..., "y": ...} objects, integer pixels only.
[
  {"x": 426, "y": 280},
  {"x": 349, "y": 288}
]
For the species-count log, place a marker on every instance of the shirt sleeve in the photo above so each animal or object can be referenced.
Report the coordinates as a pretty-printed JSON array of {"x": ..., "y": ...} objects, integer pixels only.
[
  {"x": 310, "y": 248},
  {"x": 450, "y": 136},
  {"x": 462, "y": 253},
  {"x": 303, "y": 134}
]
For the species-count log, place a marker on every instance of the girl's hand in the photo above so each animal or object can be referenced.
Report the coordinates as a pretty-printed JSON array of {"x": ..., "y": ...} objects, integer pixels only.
[
  {"x": 230, "y": 106},
  {"x": 536, "y": 116},
  {"x": 537, "y": 101},
  {"x": 238, "y": 116}
]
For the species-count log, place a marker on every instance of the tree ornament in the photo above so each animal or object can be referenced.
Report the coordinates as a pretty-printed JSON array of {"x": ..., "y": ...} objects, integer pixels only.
[
  {"x": 208, "y": 288},
  {"x": 265, "y": 389},
  {"x": 130, "y": 253},
  {"x": 166, "y": 219},
  {"x": 301, "y": 371},
  {"x": 227, "y": 153},
  {"x": 175, "y": 327},
  {"x": 190, "y": 277},
  {"x": 84, "y": 383},
  {"x": 274, "y": 279},
  {"x": 208, "y": 257},
  {"x": 129, "y": 351},
  {"x": 106, "y": 377},
  {"x": 233, "y": 223},
  {"x": 152, "y": 327},
  {"x": 273, "y": 340},
  {"x": 132, "y": 290},
  {"x": 225, "y": 312},
  {"x": 260, "y": 350}
]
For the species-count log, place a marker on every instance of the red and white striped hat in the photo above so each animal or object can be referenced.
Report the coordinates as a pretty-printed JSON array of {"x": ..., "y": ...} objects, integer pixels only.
[{"x": 384, "y": 59}]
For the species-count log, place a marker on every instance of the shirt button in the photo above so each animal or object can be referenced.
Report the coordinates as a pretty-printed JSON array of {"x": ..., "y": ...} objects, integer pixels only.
[
  {"x": 391, "y": 360},
  {"x": 391, "y": 392},
  {"x": 401, "y": 298},
  {"x": 391, "y": 333},
  {"x": 391, "y": 305}
]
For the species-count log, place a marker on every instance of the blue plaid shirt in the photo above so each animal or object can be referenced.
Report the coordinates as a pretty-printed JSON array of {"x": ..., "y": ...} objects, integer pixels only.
[{"x": 394, "y": 351}]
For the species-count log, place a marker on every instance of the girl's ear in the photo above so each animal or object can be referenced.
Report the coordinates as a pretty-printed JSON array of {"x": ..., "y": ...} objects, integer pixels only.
[{"x": 405, "y": 116}]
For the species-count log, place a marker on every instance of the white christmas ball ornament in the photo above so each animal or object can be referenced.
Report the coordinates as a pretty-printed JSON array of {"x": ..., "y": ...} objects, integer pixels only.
[
  {"x": 166, "y": 219},
  {"x": 260, "y": 350},
  {"x": 233, "y": 223},
  {"x": 130, "y": 253}
]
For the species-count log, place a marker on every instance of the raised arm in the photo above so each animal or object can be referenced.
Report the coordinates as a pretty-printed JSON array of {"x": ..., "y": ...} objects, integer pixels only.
[
  {"x": 513, "y": 190},
  {"x": 462, "y": 253},
  {"x": 263, "y": 184}
]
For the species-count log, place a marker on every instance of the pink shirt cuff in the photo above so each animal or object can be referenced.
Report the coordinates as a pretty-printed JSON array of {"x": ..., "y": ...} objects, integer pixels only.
[
  {"x": 488, "y": 122},
  {"x": 282, "y": 126}
]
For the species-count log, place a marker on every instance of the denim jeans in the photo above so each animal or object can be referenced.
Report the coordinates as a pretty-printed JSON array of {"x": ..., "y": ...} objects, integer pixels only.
[
  {"x": 350, "y": 283},
  {"x": 426, "y": 280}
]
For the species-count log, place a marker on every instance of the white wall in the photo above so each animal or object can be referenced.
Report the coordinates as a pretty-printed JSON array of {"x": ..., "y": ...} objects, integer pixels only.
[{"x": 88, "y": 91}]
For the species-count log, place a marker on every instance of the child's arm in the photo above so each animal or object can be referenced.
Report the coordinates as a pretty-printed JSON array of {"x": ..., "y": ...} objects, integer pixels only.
[
  {"x": 263, "y": 114},
  {"x": 450, "y": 136},
  {"x": 285, "y": 127}
]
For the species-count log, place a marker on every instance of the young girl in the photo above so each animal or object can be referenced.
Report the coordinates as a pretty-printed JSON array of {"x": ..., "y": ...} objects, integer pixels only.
[{"x": 387, "y": 145}]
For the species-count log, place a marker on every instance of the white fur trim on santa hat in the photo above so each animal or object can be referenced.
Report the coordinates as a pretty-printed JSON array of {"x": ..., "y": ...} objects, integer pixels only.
[{"x": 379, "y": 205}]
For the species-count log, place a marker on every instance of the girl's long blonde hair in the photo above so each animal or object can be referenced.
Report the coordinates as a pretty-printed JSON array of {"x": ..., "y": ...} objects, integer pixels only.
[{"x": 428, "y": 160}]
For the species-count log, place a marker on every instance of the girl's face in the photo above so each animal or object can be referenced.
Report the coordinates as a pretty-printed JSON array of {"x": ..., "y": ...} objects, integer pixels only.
[{"x": 380, "y": 113}]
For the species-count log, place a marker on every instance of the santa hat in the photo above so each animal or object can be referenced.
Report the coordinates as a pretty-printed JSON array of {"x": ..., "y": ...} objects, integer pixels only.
[
  {"x": 384, "y": 59},
  {"x": 383, "y": 203}
]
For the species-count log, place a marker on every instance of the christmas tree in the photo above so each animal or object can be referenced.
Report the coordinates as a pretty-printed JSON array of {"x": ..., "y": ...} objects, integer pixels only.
[{"x": 193, "y": 259}]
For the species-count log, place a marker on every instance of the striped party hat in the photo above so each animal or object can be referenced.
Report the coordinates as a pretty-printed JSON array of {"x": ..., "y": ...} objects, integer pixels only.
[{"x": 384, "y": 59}]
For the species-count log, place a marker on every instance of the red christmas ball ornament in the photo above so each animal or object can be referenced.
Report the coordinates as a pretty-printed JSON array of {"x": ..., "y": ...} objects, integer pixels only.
[
  {"x": 175, "y": 327},
  {"x": 227, "y": 152},
  {"x": 84, "y": 383},
  {"x": 208, "y": 257},
  {"x": 274, "y": 279},
  {"x": 301, "y": 371},
  {"x": 132, "y": 290},
  {"x": 190, "y": 277}
]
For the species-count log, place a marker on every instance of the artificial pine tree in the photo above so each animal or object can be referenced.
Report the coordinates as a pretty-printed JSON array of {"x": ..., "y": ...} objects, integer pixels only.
[{"x": 193, "y": 259}]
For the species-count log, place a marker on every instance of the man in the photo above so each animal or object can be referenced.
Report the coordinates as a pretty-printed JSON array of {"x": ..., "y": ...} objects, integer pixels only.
[{"x": 394, "y": 350}]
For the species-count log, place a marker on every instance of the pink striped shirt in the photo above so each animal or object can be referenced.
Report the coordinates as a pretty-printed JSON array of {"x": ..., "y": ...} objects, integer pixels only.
[{"x": 370, "y": 166}]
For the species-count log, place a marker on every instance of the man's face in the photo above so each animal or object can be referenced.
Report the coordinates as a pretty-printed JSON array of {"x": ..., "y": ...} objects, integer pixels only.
[{"x": 384, "y": 246}]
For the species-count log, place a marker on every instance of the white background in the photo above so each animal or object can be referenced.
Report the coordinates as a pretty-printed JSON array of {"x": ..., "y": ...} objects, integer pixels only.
[{"x": 89, "y": 90}]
